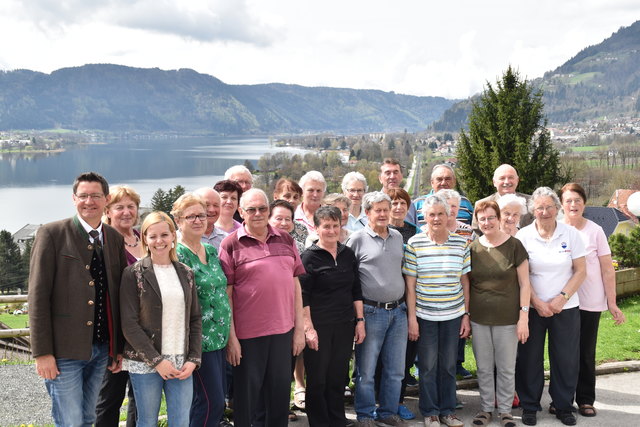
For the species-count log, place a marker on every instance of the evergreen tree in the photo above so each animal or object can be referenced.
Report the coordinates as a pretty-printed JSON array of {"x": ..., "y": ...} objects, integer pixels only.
[
  {"x": 507, "y": 125},
  {"x": 11, "y": 274},
  {"x": 163, "y": 200}
]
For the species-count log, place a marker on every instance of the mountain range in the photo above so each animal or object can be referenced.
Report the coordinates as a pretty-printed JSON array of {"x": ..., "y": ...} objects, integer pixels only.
[
  {"x": 124, "y": 99},
  {"x": 600, "y": 81}
]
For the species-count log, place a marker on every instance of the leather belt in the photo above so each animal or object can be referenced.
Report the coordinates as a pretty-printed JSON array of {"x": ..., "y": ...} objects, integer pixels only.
[{"x": 386, "y": 305}]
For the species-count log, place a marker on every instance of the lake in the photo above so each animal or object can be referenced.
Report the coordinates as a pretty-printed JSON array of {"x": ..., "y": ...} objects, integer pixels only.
[{"x": 37, "y": 189}]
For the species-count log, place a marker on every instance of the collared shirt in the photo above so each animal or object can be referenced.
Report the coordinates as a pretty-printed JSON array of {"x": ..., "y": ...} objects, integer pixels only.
[
  {"x": 380, "y": 263},
  {"x": 89, "y": 228},
  {"x": 261, "y": 274},
  {"x": 215, "y": 238},
  {"x": 300, "y": 216},
  {"x": 551, "y": 261},
  {"x": 355, "y": 223}
]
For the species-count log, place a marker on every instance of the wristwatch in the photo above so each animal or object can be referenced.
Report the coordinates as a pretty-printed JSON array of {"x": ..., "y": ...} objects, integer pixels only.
[
  {"x": 525, "y": 308},
  {"x": 359, "y": 319},
  {"x": 564, "y": 294}
]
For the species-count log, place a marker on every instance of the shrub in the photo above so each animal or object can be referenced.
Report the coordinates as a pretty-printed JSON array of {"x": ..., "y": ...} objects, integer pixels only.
[{"x": 626, "y": 249}]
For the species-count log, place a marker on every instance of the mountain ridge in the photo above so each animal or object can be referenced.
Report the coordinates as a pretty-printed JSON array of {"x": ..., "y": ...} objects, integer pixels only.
[{"x": 119, "y": 98}]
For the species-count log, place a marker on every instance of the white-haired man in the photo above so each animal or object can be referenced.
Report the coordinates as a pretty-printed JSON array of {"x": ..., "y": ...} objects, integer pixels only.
[{"x": 505, "y": 179}]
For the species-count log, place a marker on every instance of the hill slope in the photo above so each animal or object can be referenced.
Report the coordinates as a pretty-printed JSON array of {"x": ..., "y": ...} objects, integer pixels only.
[
  {"x": 601, "y": 80},
  {"x": 118, "y": 98}
]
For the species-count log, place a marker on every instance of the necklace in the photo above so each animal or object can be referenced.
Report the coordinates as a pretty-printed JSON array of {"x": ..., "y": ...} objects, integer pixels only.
[
  {"x": 197, "y": 252},
  {"x": 135, "y": 244}
]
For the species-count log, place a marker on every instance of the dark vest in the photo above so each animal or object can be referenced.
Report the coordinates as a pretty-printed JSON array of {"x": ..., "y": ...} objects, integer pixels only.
[{"x": 101, "y": 311}]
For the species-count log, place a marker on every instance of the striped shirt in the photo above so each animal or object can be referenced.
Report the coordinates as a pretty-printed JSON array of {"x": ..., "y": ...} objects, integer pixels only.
[{"x": 438, "y": 269}]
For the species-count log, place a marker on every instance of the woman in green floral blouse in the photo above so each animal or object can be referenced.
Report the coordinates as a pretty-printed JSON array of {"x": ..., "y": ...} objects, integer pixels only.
[{"x": 189, "y": 211}]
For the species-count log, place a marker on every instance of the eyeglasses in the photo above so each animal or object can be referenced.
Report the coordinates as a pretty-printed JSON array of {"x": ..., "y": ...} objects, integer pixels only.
[
  {"x": 93, "y": 196},
  {"x": 252, "y": 211},
  {"x": 541, "y": 209},
  {"x": 487, "y": 218},
  {"x": 192, "y": 218},
  {"x": 355, "y": 190}
]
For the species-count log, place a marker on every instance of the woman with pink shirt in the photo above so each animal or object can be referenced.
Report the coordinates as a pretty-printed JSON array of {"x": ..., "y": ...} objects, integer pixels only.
[{"x": 597, "y": 293}]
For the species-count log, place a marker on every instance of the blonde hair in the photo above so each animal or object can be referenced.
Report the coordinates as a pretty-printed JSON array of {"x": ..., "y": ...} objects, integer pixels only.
[
  {"x": 118, "y": 193},
  {"x": 186, "y": 201},
  {"x": 156, "y": 218}
]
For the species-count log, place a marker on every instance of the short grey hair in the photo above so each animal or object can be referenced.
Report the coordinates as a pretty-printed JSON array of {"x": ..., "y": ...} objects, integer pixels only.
[
  {"x": 312, "y": 176},
  {"x": 237, "y": 169},
  {"x": 544, "y": 192},
  {"x": 442, "y": 165},
  {"x": 374, "y": 197},
  {"x": 512, "y": 199},
  {"x": 250, "y": 193},
  {"x": 449, "y": 194},
  {"x": 354, "y": 176},
  {"x": 434, "y": 200},
  {"x": 333, "y": 198}
]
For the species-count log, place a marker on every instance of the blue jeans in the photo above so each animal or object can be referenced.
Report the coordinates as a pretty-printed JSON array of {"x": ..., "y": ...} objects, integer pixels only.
[
  {"x": 147, "y": 389},
  {"x": 437, "y": 353},
  {"x": 74, "y": 393},
  {"x": 386, "y": 338}
]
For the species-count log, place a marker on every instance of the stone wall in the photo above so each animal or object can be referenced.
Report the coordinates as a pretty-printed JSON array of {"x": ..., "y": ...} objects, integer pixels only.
[{"x": 627, "y": 282}]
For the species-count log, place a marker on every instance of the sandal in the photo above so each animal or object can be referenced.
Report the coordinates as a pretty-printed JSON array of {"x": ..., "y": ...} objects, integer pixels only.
[
  {"x": 506, "y": 420},
  {"x": 481, "y": 419},
  {"x": 587, "y": 410},
  {"x": 298, "y": 398}
]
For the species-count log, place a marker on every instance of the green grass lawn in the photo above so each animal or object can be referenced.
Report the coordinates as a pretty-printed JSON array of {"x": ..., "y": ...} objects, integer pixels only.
[
  {"x": 589, "y": 148},
  {"x": 15, "y": 322},
  {"x": 615, "y": 343}
]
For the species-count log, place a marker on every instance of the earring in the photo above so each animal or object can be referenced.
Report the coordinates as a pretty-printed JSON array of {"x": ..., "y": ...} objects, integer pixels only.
[{"x": 173, "y": 245}]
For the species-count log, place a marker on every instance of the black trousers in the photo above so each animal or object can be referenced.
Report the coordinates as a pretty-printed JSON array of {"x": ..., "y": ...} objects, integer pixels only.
[
  {"x": 564, "y": 352},
  {"x": 412, "y": 351},
  {"x": 110, "y": 399},
  {"x": 586, "y": 389},
  {"x": 327, "y": 370},
  {"x": 264, "y": 374}
]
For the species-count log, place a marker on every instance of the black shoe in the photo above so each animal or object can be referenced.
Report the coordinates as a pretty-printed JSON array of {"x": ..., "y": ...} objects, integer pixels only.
[
  {"x": 566, "y": 417},
  {"x": 529, "y": 418}
]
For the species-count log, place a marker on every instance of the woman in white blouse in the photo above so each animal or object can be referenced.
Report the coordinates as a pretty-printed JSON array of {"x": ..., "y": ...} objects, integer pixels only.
[{"x": 162, "y": 325}]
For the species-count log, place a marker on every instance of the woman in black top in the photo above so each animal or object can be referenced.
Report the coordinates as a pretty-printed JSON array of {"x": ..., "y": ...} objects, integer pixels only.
[{"x": 331, "y": 295}]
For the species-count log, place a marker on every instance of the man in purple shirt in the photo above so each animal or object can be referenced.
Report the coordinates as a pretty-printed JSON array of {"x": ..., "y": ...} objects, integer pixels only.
[{"x": 262, "y": 264}]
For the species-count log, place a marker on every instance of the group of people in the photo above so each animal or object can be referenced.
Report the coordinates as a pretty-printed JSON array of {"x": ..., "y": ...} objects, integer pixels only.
[{"x": 232, "y": 294}]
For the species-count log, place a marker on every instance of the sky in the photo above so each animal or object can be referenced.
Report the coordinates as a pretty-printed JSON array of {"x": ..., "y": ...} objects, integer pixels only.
[{"x": 417, "y": 47}]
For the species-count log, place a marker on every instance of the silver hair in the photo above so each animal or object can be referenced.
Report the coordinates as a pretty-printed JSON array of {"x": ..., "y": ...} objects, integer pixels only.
[
  {"x": 544, "y": 192},
  {"x": 442, "y": 165},
  {"x": 449, "y": 194},
  {"x": 333, "y": 198},
  {"x": 434, "y": 200},
  {"x": 354, "y": 176},
  {"x": 374, "y": 197},
  {"x": 513, "y": 200},
  {"x": 251, "y": 192},
  {"x": 237, "y": 169},
  {"x": 312, "y": 176}
]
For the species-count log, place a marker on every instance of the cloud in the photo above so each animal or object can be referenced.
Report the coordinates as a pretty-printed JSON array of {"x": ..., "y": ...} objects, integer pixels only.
[{"x": 199, "y": 20}]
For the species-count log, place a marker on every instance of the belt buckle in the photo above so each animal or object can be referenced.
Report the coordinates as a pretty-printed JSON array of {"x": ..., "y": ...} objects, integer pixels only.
[{"x": 389, "y": 305}]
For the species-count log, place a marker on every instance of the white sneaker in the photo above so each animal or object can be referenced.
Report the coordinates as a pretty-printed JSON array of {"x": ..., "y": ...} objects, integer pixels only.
[
  {"x": 451, "y": 420},
  {"x": 431, "y": 421}
]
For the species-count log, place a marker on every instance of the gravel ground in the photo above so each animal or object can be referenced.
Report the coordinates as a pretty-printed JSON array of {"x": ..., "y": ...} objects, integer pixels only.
[
  {"x": 23, "y": 397},
  {"x": 24, "y": 400}
]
